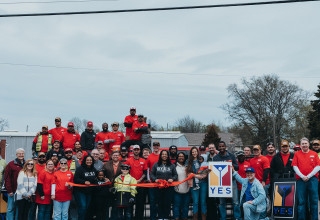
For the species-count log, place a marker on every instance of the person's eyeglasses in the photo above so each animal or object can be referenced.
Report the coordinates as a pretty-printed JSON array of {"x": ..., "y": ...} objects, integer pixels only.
[
  {"x": 63, "y": 163},
  {"x": 57, "y": 120},
  {"x": 132, "y": 110},
  {"x": 30, "y": 164},
  {"x": 68, "y": 152},
  {"x": 140, "y": 116},
  {"x": 124, "y": 168}
]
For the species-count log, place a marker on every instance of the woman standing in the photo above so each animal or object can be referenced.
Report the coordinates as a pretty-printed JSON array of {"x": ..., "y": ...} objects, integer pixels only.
[
  {"x": 182, "y": 191},
  {"x": 43, "y": 195},
  {"x": 164, "y": 170},
  {"x": 200, "y": 192},
  {"x": 26, "y": 188},
  {"x": 61, "y": 192},
  {"x": 85, "y": 174}
]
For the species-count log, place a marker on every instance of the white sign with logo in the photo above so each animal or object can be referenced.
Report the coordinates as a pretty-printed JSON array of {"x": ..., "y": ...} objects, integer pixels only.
[{"x": 220, "y": 179}]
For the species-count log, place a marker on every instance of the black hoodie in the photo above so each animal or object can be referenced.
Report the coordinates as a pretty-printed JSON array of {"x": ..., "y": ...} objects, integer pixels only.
[
  {"x": 88, "y": 140},
  {"x": 83, "y": 174}
]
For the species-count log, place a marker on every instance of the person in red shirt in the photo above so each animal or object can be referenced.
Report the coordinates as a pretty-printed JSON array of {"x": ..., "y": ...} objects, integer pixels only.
[
  {"x": 58, "y": 130},
  {"x": 173, "y": 150},
  {"x": 138, "y": 172},
  {"x": 43, "y": 142},
  {"x": 40, "y": 166},
  {"x": 243, "y": 165},
  {"x": 271, "y": 149},
  {"x": 43, "y": 193},
  {"x": 124, "y": 154},
  {"x": 69, "y": 137},
  {"x": 103, "y": 135},
  {"x": 151, "y": 160},
  {"x": 77, "y": 147},
  {"x": 247, "y": 153},
  {"x": 115, "y": 137},
  {"x": 306, "y": 165},
  {"x": 261, "y": 165},
  {"x": 103, "y": 155},
  {"x": 129, "y": 120},
  {"x": 61, "y": 191},
  {"x": 70, "y": 161}
]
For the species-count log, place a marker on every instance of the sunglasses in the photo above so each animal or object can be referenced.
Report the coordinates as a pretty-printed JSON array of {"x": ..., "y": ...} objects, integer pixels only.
[
  {"x": 30, "y": 164},
  {"x": 124, "y": 168},
  {"x": 63, "y": 163},
  {"x": 68, "y": 152},
  {"x": 42, "y": 156},
  {"x": 57, "y": 121}
]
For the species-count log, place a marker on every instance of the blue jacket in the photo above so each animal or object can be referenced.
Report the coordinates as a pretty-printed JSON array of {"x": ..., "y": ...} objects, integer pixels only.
[{"x": 256, "y": 190}]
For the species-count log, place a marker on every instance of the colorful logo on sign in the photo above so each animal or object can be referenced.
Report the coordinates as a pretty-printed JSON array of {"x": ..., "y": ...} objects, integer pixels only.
[
  {"x": 283, "y": 203},
  {"x": 220, "y": 179}
]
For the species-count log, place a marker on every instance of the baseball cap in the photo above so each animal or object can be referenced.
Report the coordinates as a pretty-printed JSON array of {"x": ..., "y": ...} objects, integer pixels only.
[
  {"x": 202, "y": 147},
  {"x": 239, "y": 153},
  {"x": 41, "y": 153},
  {"x": 68, "y": 149},
  {"x": 316, "y": 142},
  {"x": 140, "y": 115},
  {"x": 123, "y": 148},
  {"x": 136, "y": 147},
  {"x": 89, "y": 123},
  {"x": 115, "y": 123},
  {"x": 56, "y": 141},
  {"x": 70, "y": 124},
  {"x": 173, "y": 147},
  {"x": 284, "y": 143},
  {"x": 45, "y": 126},
  {"x": 256, "y": 147},
  {"x": 132, "y": 107},
  {"x": 123, "y": 165},
  {"x": 100, "y": 142},
  {"x": 58, "y": 118},
  {"x": 296, "y": 146},
  {"x": 156, "y": 143},
  {"x": 54, "y": 154},
  {"x": 250, "y": 169}
]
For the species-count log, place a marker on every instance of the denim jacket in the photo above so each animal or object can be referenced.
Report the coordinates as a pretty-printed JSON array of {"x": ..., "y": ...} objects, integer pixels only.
[{"x": 256, "y": 190}]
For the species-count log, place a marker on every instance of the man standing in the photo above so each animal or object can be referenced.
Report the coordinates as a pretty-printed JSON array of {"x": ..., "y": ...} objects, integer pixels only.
[
  {"x": 253, "y": 197},
  {"x": 261, "y": 165},
  {"x": 212, "y": 152},
  {"x": 11, "y": 175},
  {"x": 247, "y": 153},
  {"x": 243, "y": 166},
  {"x": 42, "y": 142},
  {"x": 103, "y": 135},
  {"x": 88, "y": 138},
  {"x": 173, "y": 150},
  {"x": 103, "y": 155},
  {"x": 58, "y": 130},
  {"x": 151, "y": 160},
  {"x": 128, "y": 122},
  {"x": 203, "y": 152},
  {"x": 98, "y": 164},
  {"x": 69, "y": 137},
  {"x": 224, "y": 155},
  {"x": 137, "y": 171},
  {"x": 316, "y": 146},
  {"x": 3, "y": 165},
  {"x": 71, "y": 162},
  {"x": 56, "y": 149},
  {"x": 306, "y": 165},
  {"x": 115, "y": 137},
  {"x": 124, "y": 154},
  {"x": 271, "y": 149}
]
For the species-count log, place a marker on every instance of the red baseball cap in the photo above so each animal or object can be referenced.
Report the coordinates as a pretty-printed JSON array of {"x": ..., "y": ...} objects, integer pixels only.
[
  {"x": 70, "y": 124},
  {"x": 68, "y": 149},
  {"x": 89, "y": 123}
]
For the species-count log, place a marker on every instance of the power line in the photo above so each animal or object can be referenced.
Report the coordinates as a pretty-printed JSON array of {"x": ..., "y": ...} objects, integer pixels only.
[
  {"x": 50, "y": 2},
  {"x": 156, "y": 9}
]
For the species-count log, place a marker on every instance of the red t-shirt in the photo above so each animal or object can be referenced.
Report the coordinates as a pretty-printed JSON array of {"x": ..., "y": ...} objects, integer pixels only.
[
  {"x": 137, "y": 136},
  {"x": 306, "y": 162},
  {"x": 45, "y": 178},
  {"x": 151, "y": 160},
  {"x": 130, "y": 119},
  {"x": 285, "y": 158},
  {"x": 44, "y": 145},
  {"x": 40, "y": 168},
  {"x": 57, "y": 132},
  {"x": 242, "y": 171},
  {"x": 101, "y": 136},
  {"x": 84, "y": 153},
  {"x": 269, "y": 157},
  {"x": 259, "y": 164},
  {"x": 68, "y": 139},
  {"x": 62, "y": 192},
  {"x": 137, "y": 167},
  {"x": 118, "y": 137}
]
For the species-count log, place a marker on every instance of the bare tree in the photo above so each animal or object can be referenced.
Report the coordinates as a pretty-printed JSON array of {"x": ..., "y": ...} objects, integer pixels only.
[
  {"x": 265, "y": 106},
  {"x": 189, "y": 125},
  {"x": 3, "y": 124},
  {"x": 79, "y": 124}
]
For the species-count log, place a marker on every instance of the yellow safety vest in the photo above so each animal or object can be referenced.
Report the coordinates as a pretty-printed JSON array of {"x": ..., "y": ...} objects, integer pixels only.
[
  {"x": 72, "y": 167},
  {"x": 39, "y": 143},
  {"x": 128, "y": 179}
]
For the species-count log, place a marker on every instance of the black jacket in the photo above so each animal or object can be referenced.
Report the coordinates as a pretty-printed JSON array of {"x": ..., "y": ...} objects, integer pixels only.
[
  {"x": 87, "y": 140},
  {"x": 277, "y": 168},
  {"x": 101, "y": 190},
  {"x": 60, "y": 153},
  {"x": 164, "y": 172},
  {"x": 83, "y": 174},
  {"x": 225, "y": 158}
]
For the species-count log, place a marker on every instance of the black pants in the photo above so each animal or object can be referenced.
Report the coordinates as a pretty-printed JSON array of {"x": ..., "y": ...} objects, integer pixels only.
[
  {"x": 140, "y": 202},
  {"x": 128, "y": 143},
  {"x": 163, "y": 200},
  {"x": 99, "y": 207},
  {"x": 23, "y": 208},
  {"x": 212, "y": 212}
]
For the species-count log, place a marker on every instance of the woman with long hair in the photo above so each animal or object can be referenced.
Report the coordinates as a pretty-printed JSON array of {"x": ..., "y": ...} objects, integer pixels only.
[
  {"x": 61, "y": 191},
  {"x": 182, "y": 191},
  {"x": 164, "y": 170},
  {"x": 26, "y": 188},
  {"x": 43, "y": 194},
  {"x": 85, "y": 174},
  {"x": 198, "y": 191}
]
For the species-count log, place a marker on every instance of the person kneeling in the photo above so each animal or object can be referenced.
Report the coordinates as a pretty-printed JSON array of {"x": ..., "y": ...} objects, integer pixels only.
[
  {"x": 125, "y": 194},
  {"x": 253, "y": 196}
]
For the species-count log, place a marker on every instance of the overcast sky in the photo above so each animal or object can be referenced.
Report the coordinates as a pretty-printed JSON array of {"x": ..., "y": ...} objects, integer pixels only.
[{"x": 167, "y": 64}]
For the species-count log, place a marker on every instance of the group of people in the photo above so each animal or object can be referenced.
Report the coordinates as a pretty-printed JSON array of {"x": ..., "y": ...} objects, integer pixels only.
[{"x": 73, "y": 176}]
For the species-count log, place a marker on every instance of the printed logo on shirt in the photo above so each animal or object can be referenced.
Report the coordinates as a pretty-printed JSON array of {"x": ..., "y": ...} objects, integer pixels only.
[
  {"x": 89, "y": 174},
  {"x": 163, "y": 169},
  {"x": 311, "y": 155}
]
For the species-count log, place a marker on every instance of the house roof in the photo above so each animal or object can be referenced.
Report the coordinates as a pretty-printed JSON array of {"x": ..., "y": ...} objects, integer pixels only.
[
  {"x": 195, "y": 139},
  {"x": 166, "y": 134}
]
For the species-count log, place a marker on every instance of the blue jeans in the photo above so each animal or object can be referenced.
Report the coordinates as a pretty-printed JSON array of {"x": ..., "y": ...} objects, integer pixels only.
[
  {"x": 32, "y": 211},
  {"x": 124, "y": 213},
  {"x": 11, "y": 208},
  {"x": 83, "y": 201},
  {"x": 305, "y": 189},
  {"x": 181, "y": 202},
  {"x": 235, "y": 201},
  {"x": 153, "y": 205},
  {"x": 250, "y": 212},
  {"x": 44, "y": 211},
  {"x": 60, "y": 210},
  {"x": 263, "y": 215},
  {"x": 200, "y": 194}
]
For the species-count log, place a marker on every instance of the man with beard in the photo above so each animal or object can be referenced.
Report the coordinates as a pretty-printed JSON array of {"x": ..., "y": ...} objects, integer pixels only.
[
  {"x": 173, "y": 150},
  {"x": 316, "y": 146},
  {"x": 71, "y": 162},
  {"x": 129, "y": 120},
  {"x": 124, "y": 154},
  {"x": 69, "y": 137},
  {"x": 115, "y": 137},
  {"x": 58, "y": 130},
  {"x": 225, "y": 155},
  {"x": 243, "y": 165},
  {"x": 212, "y": 152},
  {"x": 56, "y": 149},
  {"x": 271, "y": 149},
  {"x": 42, "y": 142},
  {"x": 88, "y": 138},
  {"x": 103, "y": 135},
  {"x": 55, "y": 159}
]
